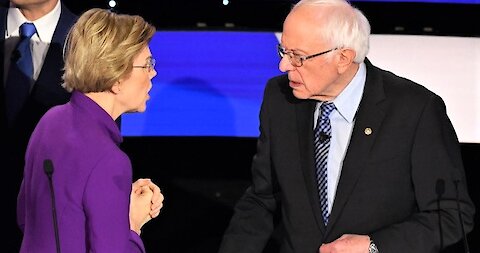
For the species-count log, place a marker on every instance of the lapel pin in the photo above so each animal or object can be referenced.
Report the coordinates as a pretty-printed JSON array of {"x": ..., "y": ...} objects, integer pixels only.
[{"x": 368, "y": 131}]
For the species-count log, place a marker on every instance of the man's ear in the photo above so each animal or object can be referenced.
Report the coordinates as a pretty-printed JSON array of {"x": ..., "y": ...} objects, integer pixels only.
[{"x": 347, "y": 55}]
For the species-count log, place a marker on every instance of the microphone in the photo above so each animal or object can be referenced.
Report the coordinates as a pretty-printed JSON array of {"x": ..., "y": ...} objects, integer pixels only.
[
  {"x": 440, "y": 190},
  {"x": 324, "y": 137},
  {"x": 48, "y": 168},
  {"x": 464, "y": 235}
]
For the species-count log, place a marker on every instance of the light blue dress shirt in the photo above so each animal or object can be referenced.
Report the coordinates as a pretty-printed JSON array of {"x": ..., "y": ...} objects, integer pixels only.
[{"x": 342, "y": 120}]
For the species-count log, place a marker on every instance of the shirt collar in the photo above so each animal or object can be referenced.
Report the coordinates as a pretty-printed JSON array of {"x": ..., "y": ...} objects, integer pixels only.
[
  {"x": 348, "y": 101},
  {"x": 45, "y": 25},
  {"x": 101, "y": 118}
]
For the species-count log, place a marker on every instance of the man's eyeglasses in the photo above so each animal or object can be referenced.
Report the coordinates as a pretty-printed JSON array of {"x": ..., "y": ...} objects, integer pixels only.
[
  {"x": 149, "y": 66},
  {"x": 296, "y": 59}
]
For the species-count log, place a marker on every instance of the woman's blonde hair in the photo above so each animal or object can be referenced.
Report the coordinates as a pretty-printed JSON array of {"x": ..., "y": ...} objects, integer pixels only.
[{"x": 100, "y": 49}]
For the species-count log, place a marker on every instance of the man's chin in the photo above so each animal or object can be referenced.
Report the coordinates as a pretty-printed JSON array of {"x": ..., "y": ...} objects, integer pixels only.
[{"x": 300, "y": 95}]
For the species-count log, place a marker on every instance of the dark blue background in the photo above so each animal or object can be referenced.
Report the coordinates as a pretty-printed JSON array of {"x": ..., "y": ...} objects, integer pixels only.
[{"x": 209, "y": 83}]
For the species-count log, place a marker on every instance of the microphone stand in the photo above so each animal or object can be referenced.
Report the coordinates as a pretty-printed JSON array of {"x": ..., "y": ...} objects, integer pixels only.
[
  {"x": 464, "y": 235},
  {"x": 48, "y": 167},
  {"x": 440, "y": 189}
]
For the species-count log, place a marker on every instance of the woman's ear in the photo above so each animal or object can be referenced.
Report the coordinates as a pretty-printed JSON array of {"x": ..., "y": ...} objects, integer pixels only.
[{"x": 116, "y": 87}]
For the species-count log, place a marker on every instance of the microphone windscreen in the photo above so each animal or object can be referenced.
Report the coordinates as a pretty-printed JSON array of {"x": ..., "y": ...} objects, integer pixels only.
[{"x": 48, "y": 166}]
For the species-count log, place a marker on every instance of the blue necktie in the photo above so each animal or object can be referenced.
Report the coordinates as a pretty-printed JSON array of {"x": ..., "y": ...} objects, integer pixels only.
[
  {"x": 20, "y": 74},
  {"x": 323, "y": 132}
]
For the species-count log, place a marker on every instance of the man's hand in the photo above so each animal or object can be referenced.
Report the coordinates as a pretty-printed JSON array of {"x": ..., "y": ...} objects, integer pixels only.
[
  {"x": 157, "y": 198},
  {"x": 347, "y": 244}
]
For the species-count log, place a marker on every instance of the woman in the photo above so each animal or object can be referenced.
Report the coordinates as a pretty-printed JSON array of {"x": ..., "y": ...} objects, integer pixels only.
[{"x": 108, "y": 69}]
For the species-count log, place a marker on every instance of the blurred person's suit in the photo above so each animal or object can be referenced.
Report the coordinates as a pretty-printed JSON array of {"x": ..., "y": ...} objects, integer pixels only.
[{"x": 45, "y": 93}]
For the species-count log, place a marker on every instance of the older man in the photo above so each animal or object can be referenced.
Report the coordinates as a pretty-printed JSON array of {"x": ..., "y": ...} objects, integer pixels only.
[{"x": 349, "y": 155}]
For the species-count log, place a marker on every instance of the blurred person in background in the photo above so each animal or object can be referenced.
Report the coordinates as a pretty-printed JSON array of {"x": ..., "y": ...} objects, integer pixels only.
[{"x": 26, "y": 96}]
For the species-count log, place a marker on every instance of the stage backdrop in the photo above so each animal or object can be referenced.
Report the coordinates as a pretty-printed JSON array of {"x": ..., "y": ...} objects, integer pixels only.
[{"x": 210, "y": 83}]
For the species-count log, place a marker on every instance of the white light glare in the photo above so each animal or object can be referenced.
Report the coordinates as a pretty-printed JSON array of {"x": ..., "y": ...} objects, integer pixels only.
[
  {"x": 112, "y": 3},
  {"x": 225, "y": 2}
]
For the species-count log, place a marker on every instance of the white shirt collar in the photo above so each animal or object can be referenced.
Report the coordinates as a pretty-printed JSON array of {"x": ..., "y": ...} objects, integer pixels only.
[
  {"x": 348, "y": 100},
  {"x": 45, "y": 25}
]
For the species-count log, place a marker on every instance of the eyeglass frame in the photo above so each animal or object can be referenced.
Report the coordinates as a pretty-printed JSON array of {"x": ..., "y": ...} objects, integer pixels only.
[
  {"x": 281, "y": 50},
  {"x": 149, "y": 66}
]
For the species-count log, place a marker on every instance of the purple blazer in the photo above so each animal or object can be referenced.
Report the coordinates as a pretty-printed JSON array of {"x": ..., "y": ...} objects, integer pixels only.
[{"x": 92, "y": 181}]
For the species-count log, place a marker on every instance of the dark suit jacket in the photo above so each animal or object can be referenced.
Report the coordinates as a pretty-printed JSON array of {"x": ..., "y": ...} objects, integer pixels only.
[
  {"x": 388, "y": 178},
  {"x": 46, "y": 92}
]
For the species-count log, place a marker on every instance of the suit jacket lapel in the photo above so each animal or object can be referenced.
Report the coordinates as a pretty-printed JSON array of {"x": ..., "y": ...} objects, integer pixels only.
[
  {"x": 49, "y": 79},
  {"x": 369, "y": 117},
  {"x": 304, "y": 114},
  {"x": 3, "y": 25}
]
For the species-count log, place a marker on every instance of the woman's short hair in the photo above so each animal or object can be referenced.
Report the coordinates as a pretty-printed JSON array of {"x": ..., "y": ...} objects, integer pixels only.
[{"x": 100, "y": 49}]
